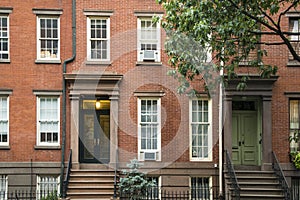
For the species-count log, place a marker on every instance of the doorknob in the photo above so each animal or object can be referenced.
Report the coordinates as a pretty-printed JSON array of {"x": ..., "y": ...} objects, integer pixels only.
[{"x": 240, "y": 143}]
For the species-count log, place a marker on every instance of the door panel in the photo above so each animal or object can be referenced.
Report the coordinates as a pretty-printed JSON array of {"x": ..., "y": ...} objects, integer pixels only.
[{"x": 244, "y": 138}]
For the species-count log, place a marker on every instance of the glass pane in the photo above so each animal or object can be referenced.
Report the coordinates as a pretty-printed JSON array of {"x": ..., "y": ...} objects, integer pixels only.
[{"x": 294, "y": 114}]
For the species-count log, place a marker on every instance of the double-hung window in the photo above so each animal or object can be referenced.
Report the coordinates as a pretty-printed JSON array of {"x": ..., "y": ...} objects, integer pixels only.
[
  {"x": 294, "y": 28},
  {"x": 200, "y": 188},
  {"x": 48, "y": 38},
  {"x": 47, "y": 185},
  {"x": 3, "y": 187},
  {"x": 48, "y": 121},
  {"x": 98, "y": 34},
  {"x": 4, "y": 121},
  {"x": 48, "y": 35},
  {"x": 4, "y": 37},
  {"x": 149, "y": 125},
  {"x": 294, "y": 124},
  {"x": 148, "y": 40},
  {"x": 200, "y": 129}
]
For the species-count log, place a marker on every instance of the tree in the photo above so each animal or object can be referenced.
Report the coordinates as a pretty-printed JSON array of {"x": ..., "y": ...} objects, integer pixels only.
[
  {"x": 134, "y": 184},
  {"x": 232, "y": 29}
]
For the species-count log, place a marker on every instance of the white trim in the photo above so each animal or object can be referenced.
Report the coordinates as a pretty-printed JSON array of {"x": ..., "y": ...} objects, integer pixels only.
[
  {"x": 210, "y": 185},
  {"x": 47, "y": 57},
  {"x": 6, "y": 10},
  {"x": 47, "y": 11},
  {"x": 7, "y": 119},
  {"x": 158, "y": 150},
  {"x": 38, "y": 135},
  {"x": 38, "y": 184},
  {"x": 210, "y": 134},
  {"x": 88, "y": 49},
  {"x": 140, "y": 52}
]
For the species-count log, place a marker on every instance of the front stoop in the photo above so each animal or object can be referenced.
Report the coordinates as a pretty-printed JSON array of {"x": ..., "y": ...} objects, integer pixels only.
[{"x": 92, "y": 184}]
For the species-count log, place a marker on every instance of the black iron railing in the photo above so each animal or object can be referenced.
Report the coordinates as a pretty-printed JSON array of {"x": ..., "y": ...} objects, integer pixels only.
[
  {"x": 116, "y": 173},
  {"x": 67, "y": 177},
  {"x": 235, "y": 188},
  {"x": 280, "y": 176}
]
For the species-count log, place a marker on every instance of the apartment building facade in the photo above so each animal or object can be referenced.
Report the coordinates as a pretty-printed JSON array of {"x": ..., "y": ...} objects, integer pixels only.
[{"x": 94, "y": 80}]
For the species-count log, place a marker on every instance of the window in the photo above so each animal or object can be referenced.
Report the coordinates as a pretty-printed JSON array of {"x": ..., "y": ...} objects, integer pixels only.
[
  {"x": 48, "y": 121},
  {"x": 3, "y": 187},
  {"x": 153, "y": 192},
  {"x": 4, "y": 38},
  {"x": 200, "y": 129},
  {"x": 200, "y": 188},
  {"x": 4, "y": 121},
  {"x": 294, "y": 39},
  {"x": 294, "y": 124},
  {"x": 98, "y": 38},
  {"x": 47, "y": 185},
  {"x": 149, "y": 129},
  {"x": 48, "y": 38},
  {"x": 295, "y": 188},
  {"x": 148, "y": 40}
]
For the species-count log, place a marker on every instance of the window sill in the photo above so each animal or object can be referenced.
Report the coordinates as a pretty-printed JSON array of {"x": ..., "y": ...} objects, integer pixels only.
[
  {"x": 5, "y": 61},
  {"x": 293, "y": 63},
  {"x": 99, "y": 63},
  {"x": 47, "y": 61},
  {"x": 142, "y": 63},
  {"x": 36, "y": 147},
  {"x": 4, "y": 147}
]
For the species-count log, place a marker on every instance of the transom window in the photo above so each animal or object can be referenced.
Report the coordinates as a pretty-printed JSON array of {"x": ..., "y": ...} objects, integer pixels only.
[
  {"x": 47, "y": 185},
  {"x": 148, "y": 40},
  {"x": 48, "y": 121},
  {"x": 4, "y": 130},
  {"x": 200, "y": 129},
  {"x": 4, "y": 38},
  {"x": 200, "y": 188},
  {"x": 149, "y": 128},
  {"x": 48, "y": 37},
  {"x": 98, "y": 39}
]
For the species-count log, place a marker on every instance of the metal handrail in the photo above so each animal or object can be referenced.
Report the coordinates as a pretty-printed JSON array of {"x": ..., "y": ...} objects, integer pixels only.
[
  {"x": 67, "y": 177},
  {"x": 280, "y": 176},
  {"x": 232, "y": 176},
  {"x": 116, "y": 173}
]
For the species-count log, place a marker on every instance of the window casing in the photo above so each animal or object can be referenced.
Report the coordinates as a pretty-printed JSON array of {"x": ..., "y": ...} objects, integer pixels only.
[
  {"x": 149, "y": 129},
  {"x": 294, "y": 39},
  {"x": 48, "y": 37},
  {"x": 4, "y": 37},
  {"x": 98, "y": 36},
  {"x": 4, "y": 121},
  {"x": 48, "y": 121},
  {"x": 148, "y": 40},
  {"x": 200, "y": 130},
  {"x": 47, "y": 185},
  {"x": 154, "y": 192},
  {"x": 201, "y": 188}
]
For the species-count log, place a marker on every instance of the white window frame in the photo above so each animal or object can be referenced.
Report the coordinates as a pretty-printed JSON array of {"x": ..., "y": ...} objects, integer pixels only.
[
  {"x": 48, "y": 55},
  {"x": 50, "y": 182},
  {"x": 3, "y": 184},
  {"x": 4, "y": 38},
  {"x": 39, "y": 142},
  {"x": 157, "y": 41},
  {"x": 89, "y": 39},
  {"x": 157, "y": 152},
  {"x": 209, "y": 123},
  {"x": 4, "y": 119},
  {"x": 210, "y": 187}
]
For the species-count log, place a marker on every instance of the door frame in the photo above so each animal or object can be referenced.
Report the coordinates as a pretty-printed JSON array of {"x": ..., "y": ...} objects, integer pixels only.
[{"x": 257, "y": 110}]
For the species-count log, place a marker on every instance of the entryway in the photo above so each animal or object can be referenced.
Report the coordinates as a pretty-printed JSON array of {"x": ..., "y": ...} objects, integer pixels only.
[
  {"x": 94, "y": 136},
  {"x": 246, "y": 132}
]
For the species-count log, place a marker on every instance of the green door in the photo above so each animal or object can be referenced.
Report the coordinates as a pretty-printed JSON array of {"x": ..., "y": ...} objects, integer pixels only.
[{"x": 244, "y": 138}]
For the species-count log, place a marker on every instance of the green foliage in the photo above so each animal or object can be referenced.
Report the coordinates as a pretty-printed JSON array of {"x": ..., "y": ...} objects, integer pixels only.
[
  {"x": 134, "y": 183},
  {"x": 232, "y": 29},
  {"x": 51, "y": 196},
  {"x": 297, "y": 160}
]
